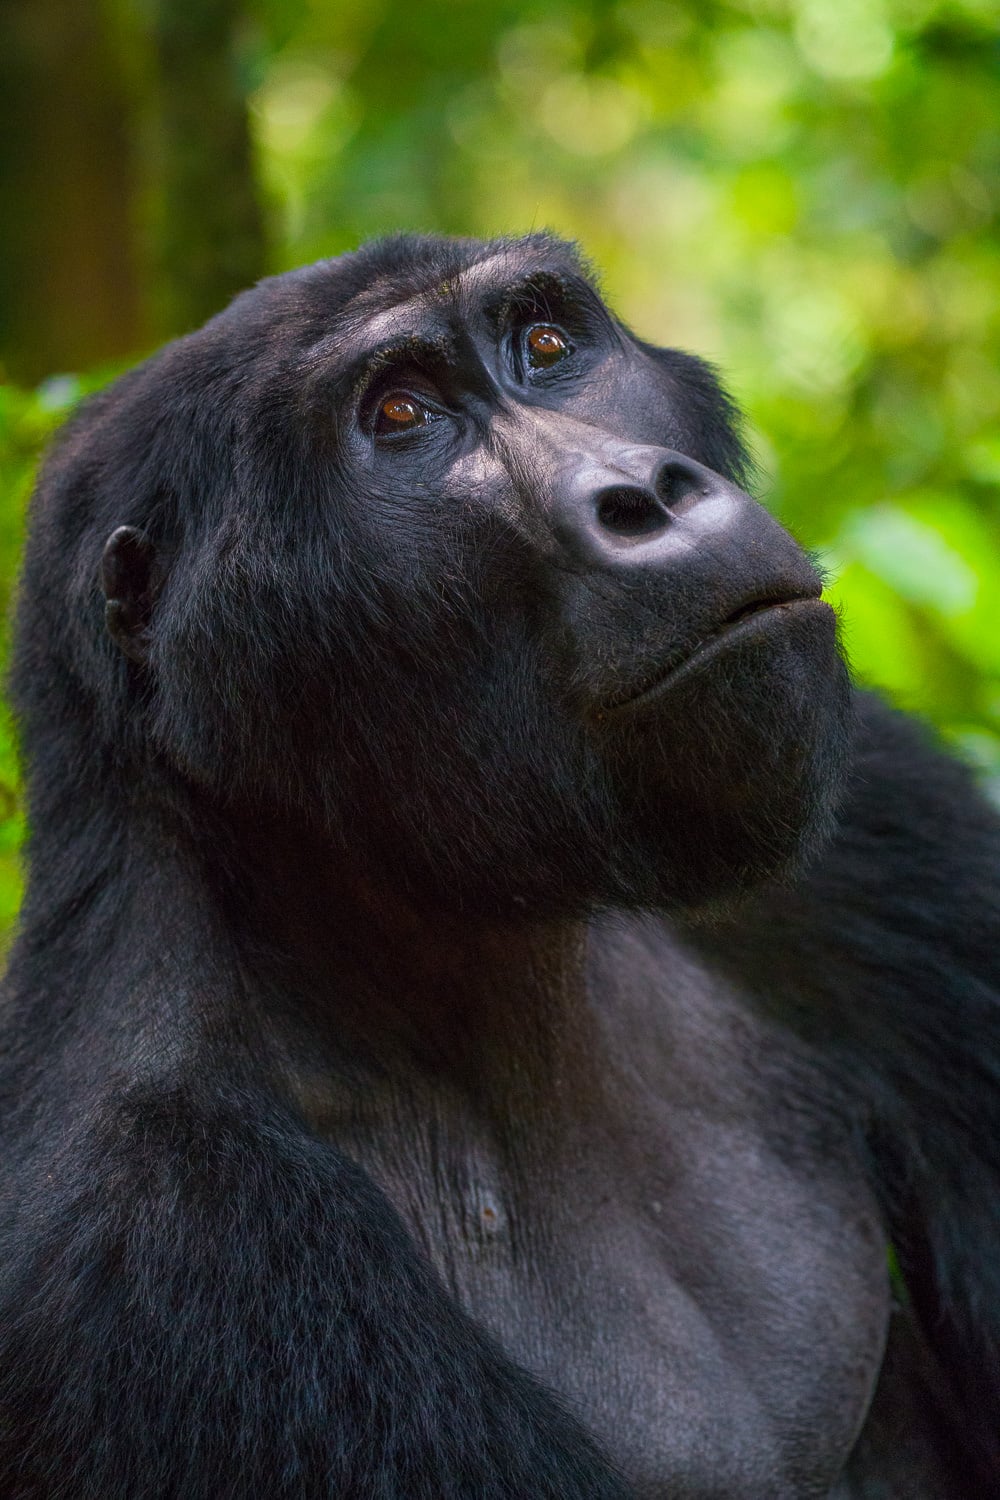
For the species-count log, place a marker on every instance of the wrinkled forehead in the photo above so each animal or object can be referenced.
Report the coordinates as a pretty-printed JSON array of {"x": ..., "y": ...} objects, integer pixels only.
[{"x": 410, "y": 299}]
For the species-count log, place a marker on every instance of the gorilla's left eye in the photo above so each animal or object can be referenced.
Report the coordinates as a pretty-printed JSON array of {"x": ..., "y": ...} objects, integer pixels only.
[
  {"x": 400, "y": 412},
  {"x": 545, "y": 345}
]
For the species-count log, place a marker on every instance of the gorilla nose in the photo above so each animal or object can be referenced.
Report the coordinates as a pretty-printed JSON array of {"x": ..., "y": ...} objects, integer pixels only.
[
  {"x": 652, "y": 517},
  {"x": 605, "y": 510},
  {"x": 630, "y": 511}
]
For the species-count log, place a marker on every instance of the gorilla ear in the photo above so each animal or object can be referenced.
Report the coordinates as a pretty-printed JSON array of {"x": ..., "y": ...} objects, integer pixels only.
[{"x": 126, "y": 577}]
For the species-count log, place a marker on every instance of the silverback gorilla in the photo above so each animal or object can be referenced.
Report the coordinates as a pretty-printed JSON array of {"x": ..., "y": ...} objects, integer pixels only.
[{"x": 489, "y": 993}]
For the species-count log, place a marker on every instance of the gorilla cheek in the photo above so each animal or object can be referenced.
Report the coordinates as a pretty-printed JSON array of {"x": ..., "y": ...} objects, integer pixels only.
[{"x": 733, "y": 773}]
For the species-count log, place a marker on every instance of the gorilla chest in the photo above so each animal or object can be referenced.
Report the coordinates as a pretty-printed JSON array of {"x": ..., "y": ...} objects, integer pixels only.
[{"x": 714, "y": 1314}]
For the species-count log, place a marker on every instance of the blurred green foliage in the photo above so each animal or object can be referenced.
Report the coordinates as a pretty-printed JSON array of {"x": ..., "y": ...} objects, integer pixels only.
[{"x": 805, "y": 191}]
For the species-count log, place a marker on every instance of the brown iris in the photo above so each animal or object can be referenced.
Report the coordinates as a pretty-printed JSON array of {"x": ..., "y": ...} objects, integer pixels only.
[
  {"x": 399, "y": 412},
  {"x": 546, "y": 345}
]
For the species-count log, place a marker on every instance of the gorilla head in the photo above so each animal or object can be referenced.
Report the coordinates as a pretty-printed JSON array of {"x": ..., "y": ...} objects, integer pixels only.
[{"x": 423, "y": 549}]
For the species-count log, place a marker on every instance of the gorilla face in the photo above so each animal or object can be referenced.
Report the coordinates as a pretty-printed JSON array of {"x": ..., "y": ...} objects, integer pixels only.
[{"x": 461, "y": 570}]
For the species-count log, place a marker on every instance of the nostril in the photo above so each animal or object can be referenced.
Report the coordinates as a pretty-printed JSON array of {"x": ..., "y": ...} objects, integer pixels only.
[
  {"x": 628, "y": 512},
  {"x": 676, "y": 483}
]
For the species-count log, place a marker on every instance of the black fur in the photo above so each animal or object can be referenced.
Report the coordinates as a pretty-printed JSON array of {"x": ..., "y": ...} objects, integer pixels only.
[
  {"x": 470, "y": 932},
  {"x": 886, "y": 958}
]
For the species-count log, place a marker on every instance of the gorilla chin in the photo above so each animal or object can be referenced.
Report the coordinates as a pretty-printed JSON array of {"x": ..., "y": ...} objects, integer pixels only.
[{"x": 772, "y": 701}]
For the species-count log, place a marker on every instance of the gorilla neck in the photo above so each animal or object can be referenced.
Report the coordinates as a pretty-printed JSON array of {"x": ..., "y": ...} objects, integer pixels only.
[
  {"x": 375, "y": 974},
  {"x": 258, "y": 932}
]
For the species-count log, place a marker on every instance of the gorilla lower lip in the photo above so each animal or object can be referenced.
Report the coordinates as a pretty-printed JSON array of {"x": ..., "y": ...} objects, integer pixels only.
[{"x": 743, "y": 620}]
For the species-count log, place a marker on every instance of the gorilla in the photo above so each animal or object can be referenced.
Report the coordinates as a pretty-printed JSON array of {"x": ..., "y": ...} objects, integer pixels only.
[{"x": 495, "y": 1013}]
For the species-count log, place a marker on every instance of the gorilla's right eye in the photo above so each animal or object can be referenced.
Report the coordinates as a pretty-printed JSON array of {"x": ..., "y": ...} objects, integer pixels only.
[{"x": 399, "y": 412}]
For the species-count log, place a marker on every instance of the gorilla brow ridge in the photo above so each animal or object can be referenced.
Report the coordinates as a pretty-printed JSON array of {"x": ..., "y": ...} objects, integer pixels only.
[
  {"x": 549, "y": 294},
  {"x": 415, "y": 348},
  {"x": 571, "y": 280}
]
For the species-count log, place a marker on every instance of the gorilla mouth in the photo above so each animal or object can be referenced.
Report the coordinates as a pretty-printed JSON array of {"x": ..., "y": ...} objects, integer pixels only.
[{"x": 765, "y": 611}]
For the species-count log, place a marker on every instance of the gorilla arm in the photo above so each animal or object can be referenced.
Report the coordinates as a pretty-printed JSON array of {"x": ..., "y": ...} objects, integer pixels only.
[{"x": 214, "y": 1304}]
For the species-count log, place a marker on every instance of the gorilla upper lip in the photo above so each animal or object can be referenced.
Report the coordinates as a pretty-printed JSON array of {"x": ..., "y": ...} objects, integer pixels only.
[{"x": 665, "y": 676}]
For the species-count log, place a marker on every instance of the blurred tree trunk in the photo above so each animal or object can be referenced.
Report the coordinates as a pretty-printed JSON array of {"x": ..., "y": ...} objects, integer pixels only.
[
  {"x": 68, "y": 285},
  {"x": 127, "y": 193},
  {"x": 209, "y": 236}
]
